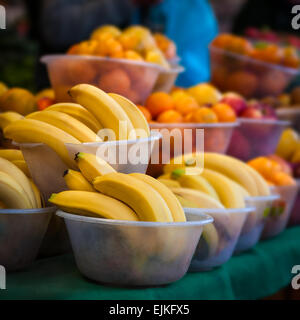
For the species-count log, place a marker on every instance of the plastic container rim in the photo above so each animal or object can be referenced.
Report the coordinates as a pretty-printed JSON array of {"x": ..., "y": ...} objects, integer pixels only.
[
  {"x": 205, "y": 219},
  {"x": 284, "y": 123},
  {"x": 293, "y": 71},
  {"x": 288, "y": 111},
  {"x": 191, "y": 125},
  {"x": 28, "y": 211},
  {"x": 48, "y": 58},
  {"x": 218, "y": 210}
]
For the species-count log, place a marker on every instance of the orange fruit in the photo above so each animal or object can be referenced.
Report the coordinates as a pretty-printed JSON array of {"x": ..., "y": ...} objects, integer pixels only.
[
  {"x": 87, "y": 47},
  {"x": 74, "y": 49},
  {"x": 116, "y": 80},
  {"x": 188, "y": 117},
  {"x": 266, "y": 167},
  {"x": 224, "y": 112},
  {"x": 282, "y": 179},
  {"x": 133, "y": 55},
  {"x": 204, "y": 115},
  {"x": 106, "y": 31},
  {"x": 159, "y": 102},
  {"x": 184, "y": 104},
  {"x": 205, "y": 93},
  {"x": 166, "y": 45},
  {"x": 145, "y": 112},
  {"x": 109, "y": 47},
  {"x": 170, "y": 116}
]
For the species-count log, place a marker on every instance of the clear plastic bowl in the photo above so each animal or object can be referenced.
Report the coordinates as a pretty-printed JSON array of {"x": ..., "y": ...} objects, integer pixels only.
[
  {"x": 167, "y": 79},
  {"x": 255, "y": 221},
  {"x": 132, "y": 79},
  {"x": 249, "y": 77},
  {"x": 47, "y": 168},
  {"x": 21, "y": 235},
  {"x": 295, "y": 215},
  {"x": 278, "y": 219},
  {"x": 127, "y": 253},
  {"x": 218, "y": 239},
  {"x": 255, "y": 137},
  {"x": 290, "y": 114},
  {"x": 216, "y": 138}
]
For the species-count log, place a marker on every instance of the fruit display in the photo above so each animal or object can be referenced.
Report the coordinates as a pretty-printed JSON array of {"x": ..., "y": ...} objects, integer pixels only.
[
  {"x": 253, "y": 70},
  {"x": 234, "y": 194},
  {"x": 134, "y": 43},
  {"x": 278, "y": 173}
]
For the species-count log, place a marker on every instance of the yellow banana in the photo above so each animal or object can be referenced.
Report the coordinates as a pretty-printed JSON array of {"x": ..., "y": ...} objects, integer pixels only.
[
  {"x": 11, "y": 154},
  {"x": 20, "y": 178},
  {"x": 37, "y": 194},
  {"x": 135, "y": 115},
  {"x": 76, "y": 181},
  {"x": 35, "y": 131},
  {"x": 11, "y": 193},
  {"x": 170, "y": 199},
  {"x": 66, "y": 123},
  {"x": 197, "y": 198},
  {"x": 106, "y": 110},
  {"x": 229, "y": 194},
  {"x": 22, "y": 165},
  {"x": 195, "y": 182},
  {"x": 147, "y": 203},
  {"x": 169, "y": 183},
  {"x": 9, "y": 117},
  {"x": 232, "y": 168},
  {"x": 92, "y": 166},
  {"x": 78, "y": 112},
  {"x": 92, "y": 204},
  {"x": 261, "y": 184}
]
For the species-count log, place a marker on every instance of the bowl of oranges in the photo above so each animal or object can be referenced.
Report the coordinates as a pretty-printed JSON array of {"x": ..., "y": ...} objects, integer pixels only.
[
  {"x": 252, "y": 69},
  {"x": 127, "y": 62},
  {"x": 189, "y": 120},
  {"x": 278, "y": 173}
]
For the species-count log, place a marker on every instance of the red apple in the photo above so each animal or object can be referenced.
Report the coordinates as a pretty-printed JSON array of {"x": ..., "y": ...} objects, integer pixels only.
[
  {"x": 253, "y": 33},
  {"x": 44, "y": 103},
  {"x": 236, "y": 101},
  {"x": 252, "y": 113},
  {"x": 239, "y": 146}
]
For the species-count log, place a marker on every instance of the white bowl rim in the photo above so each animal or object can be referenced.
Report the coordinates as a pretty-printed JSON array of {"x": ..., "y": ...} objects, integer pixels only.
[
  {"x": 191, "y": 125},
  {"x": 45, "y": 210},
  {"x": 284, "y": 123},
  {"x": 271, "y": 197},
  {"x": 205, "y": 219},
  {"x": 218, "y": 210}
]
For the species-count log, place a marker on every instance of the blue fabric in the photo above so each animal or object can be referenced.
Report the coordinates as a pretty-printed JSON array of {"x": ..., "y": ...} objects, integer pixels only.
[{"x": 192, "y": 25}]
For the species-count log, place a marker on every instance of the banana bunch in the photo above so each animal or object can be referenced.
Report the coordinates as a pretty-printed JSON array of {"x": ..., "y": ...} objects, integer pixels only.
[
  {"x": 223, "y": 183},
  {"x": 97, "y": 190},
  {"x": 78, "y": 122},
  {"x": 17, "y": 190}
]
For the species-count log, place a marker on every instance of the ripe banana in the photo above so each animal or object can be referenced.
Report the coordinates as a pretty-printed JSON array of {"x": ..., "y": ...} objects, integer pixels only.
[
  {"x": 92, "y": 166},
  {"x": 229, "y": 194},
  {"x": 20, "y": 178},
  {"x": 199, "y": 199},
  {"x": 78, "y": 112},
  {"x": 195, "y": 182},
  {"x": 66, "y": 123},
  {"x": 232, "y": 168},
  {"x": 169, "y": 183},
  {"x": 22, "y": 165},
  {"x": 135, "y": 115},
  {"x": 11, "y": 154},
  {"x": 169, "y": 197},
  {"x": 106, "y": 110},
  {"x": 185, "y": 203},
  {"x": 35, "y": 131},
  {"x": 11, "y": 193},
  {"x": 184, "y": 161},
  {"x": 9, "y": 117},
  {"x": 37, "y": 194},
  {"x": 147, "y": 203},
  {"x": 76, "y": 181},
  {"x": 92, "y": 204}
]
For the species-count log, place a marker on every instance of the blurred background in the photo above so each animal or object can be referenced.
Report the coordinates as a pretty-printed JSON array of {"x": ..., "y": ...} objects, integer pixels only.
[{"x": 52, "y": 26}]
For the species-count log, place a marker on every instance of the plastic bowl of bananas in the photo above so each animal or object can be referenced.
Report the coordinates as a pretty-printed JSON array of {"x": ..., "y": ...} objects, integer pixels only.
[
  {"x": 133, "y": 253},
  {"x": 21, "y": 235},
  {"x": 219, "y": 238},
  {"x": 255, "y": 222}
]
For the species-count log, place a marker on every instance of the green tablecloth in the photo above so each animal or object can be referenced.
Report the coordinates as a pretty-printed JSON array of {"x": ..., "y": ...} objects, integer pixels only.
[{"x": 255, "y": 274}]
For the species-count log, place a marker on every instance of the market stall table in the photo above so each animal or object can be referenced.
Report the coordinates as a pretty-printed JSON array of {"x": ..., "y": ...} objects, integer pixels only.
[{"x": 255, "y": 274}]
